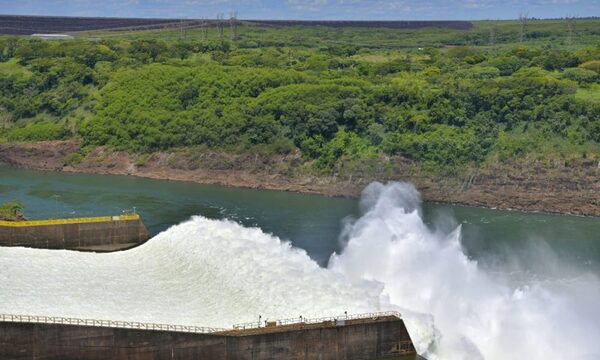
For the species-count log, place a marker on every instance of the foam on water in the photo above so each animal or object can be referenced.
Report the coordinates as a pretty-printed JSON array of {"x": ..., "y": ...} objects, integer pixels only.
[{"x": 217, "y": 273}]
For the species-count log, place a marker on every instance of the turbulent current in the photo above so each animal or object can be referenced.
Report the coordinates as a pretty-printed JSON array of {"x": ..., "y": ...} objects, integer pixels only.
[{"x": 218, "y": 273}]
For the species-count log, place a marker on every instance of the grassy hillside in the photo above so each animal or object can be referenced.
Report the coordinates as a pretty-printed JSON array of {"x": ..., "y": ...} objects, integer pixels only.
[{"x": 443, "y": 98}]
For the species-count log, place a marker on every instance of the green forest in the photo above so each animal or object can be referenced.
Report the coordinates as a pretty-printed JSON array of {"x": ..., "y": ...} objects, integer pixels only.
[{"x": 442, "y": 98}]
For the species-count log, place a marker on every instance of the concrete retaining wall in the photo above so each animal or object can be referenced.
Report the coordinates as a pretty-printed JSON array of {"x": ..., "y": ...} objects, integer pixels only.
[
  {"x": 354, "y": 341},
  {"x": 91, "y": 235}
]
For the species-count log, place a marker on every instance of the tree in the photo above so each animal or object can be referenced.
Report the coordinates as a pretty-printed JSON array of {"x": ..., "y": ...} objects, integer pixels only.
[
  {"x": 147, "y": 50},
  {"x": 188, "y": 96}
]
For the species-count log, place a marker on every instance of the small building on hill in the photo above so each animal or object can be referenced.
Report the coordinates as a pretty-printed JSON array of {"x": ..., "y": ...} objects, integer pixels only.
[{"x": 52, "y": 36}]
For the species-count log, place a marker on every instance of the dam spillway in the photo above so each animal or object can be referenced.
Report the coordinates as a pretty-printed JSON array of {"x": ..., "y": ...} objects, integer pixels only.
[
  {"x": 103, "y": 233},
  {"x": 201, "y": 272},
  {"x": 367, "y": 336}
]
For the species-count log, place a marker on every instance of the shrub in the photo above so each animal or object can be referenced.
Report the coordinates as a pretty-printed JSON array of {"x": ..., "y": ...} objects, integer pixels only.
[
  {"x": 72, "y": 159},
  {"x": 11, "y": 210},
  {"x": 38, "y": 132}
]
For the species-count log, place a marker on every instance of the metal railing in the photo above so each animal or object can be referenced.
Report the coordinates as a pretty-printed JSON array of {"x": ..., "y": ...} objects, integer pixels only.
[
  {"x": 69, "y": 221},
  {"x": 186, "y": 328},
  {"x": 107, "y": 323},
  {"x": 306, "y": 321}
]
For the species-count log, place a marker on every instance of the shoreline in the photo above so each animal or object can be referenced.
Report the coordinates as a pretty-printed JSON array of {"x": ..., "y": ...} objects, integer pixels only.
[
  {"x": 310, "y": 192},
  {"x": 560, "y": 196}
]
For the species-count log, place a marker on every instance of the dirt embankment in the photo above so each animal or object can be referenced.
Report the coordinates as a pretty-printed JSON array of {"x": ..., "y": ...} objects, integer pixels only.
[{"x": 556, "y": 186}]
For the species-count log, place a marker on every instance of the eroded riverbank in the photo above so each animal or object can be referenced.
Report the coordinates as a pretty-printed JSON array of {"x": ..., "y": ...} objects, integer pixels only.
[{"x": 566, "y": 187}]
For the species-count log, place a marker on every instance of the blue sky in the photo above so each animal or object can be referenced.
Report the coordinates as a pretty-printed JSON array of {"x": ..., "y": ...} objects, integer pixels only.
[{"x": 308, "y": 9}]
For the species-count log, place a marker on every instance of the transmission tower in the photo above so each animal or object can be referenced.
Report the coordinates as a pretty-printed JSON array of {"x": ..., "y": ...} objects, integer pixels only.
[
  {"x": 571, "y": 28},
  {"x": 220, "y": 26},
  {"x": 204, "y": 29},
  {"x": 493, "y": 34},
  {"x": 233, "y": 24},
  {"x": 182, "y": 30},
  {"x": 523, "y": 19}
]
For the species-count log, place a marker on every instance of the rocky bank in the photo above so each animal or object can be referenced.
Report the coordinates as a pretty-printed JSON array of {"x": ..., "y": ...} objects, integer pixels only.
[{"x": 557, "y": 186}]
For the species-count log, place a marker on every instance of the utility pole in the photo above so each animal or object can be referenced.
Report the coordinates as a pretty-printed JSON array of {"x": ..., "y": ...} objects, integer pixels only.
[
  {"x": 523, "y": 19},
  {"x": 233, "y": 24}
]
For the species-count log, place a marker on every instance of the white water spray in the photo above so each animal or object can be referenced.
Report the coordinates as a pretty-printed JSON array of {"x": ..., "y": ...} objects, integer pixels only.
[
  {"x": 476, "y": 316},
  {"x": 217, "y": 273}
]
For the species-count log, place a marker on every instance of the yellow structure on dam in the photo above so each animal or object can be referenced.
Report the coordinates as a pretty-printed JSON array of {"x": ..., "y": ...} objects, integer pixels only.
[
  {"x": 101, "y": 233},
  {"x": 83, "y": 220}
]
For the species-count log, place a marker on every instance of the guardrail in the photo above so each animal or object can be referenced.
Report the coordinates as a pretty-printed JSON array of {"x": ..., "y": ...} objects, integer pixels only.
[
  {"x": 300, "y": 320},
  {"x": 107, "y": 323},
  {"x": 69, "y": 221}
]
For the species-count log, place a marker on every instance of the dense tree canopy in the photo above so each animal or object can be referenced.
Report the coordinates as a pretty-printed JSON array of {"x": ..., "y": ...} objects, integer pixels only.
[{"x": 444, "y": 107}]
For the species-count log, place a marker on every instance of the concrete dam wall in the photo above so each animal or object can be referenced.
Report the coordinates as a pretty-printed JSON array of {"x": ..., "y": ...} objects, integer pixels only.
[
  {"x": 96, "y": 233},
  {"x": 360, "y": 339}
]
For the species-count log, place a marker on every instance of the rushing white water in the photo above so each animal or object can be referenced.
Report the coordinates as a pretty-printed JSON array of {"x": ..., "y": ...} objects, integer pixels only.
[
  {"x": 217, "y": 273},
  {"x": 202, "y": 272},
  {"x": 476, "y": 316}
]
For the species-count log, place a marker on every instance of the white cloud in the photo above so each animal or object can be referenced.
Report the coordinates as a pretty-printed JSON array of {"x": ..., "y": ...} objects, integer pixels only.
[
  {"x": 307, "y": 5},
  {"x": 477, "y": 4}
]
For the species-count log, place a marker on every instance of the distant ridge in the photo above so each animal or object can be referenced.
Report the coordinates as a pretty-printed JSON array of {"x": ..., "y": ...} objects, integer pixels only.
[{"x": 27, "y": 24}]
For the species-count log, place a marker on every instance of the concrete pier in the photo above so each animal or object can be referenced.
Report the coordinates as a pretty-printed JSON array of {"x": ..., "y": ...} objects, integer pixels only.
[
  {"x": 359, "y": 339},
  {"x": 105, "y": 233}
]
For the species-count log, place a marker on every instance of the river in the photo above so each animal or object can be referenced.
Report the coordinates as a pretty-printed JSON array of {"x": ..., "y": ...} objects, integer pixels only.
[
  {"x": 310, "y": 222},
  {"x": 489, "y": 256}
]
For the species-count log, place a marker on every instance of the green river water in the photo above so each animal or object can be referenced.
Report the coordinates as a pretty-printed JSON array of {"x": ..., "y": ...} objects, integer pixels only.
[{"x": 311, "y": 222}]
